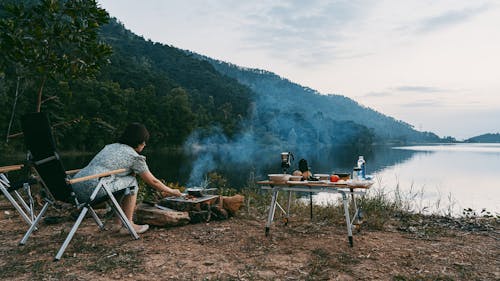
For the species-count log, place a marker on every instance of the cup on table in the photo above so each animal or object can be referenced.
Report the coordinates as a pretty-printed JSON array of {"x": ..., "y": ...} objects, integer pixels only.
[{"x": 356, "y": 173}]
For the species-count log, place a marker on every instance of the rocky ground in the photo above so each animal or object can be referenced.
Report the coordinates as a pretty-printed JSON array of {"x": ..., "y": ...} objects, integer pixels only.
[{"x": 409, "y": 248}]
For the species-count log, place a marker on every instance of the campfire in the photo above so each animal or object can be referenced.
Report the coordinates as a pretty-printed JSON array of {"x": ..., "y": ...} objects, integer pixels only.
[{"x": 196, "y": 205}]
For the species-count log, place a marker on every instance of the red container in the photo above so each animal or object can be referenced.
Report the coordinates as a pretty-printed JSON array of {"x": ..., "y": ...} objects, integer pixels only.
[{"x": 334, "y": 178}]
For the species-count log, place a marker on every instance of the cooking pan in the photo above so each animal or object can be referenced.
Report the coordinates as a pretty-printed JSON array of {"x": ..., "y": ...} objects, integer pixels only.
[{"x": 198, "y": 191}]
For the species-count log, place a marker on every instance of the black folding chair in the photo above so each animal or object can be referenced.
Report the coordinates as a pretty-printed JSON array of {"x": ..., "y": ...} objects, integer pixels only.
[
  {"x": 11, "y": 191},
  {"x": 47, "y": 164}
]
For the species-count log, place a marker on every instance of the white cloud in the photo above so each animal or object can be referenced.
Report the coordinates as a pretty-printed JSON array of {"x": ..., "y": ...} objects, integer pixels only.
[
  {"x": 450, "y": 18},
  {"x": 418, "y": 89}
]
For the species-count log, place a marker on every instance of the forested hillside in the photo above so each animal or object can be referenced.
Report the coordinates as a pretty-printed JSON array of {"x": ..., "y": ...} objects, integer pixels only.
[
  {"x": 485, "y": 138},
  {"x": 322, "y": 110},
  {"x": 161, "y": 86}
]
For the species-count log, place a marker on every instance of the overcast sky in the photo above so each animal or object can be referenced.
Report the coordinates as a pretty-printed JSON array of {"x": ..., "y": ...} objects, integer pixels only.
[{"x": 434, "y": 64}]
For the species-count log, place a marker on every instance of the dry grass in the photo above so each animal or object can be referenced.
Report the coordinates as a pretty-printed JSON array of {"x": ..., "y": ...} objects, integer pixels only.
[{"x": 393, "y": 244}]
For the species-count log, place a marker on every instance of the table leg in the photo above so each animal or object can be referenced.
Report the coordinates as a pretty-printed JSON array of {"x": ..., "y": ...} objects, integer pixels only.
[
  {"x": 345, "y": 201},
  {"x": 288, "y": 207},
  {"x": 311, "y": 204},
  {"x": 272, "y": 209},
  {"x": 356, "y": 219}
]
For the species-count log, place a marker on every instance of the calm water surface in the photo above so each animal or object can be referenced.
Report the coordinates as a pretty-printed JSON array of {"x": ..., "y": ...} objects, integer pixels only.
[{"x": 455, "y": 177}]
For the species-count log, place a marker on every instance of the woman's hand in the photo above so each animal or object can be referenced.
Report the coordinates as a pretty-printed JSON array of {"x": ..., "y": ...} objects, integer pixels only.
[
  {"x": 158, "y": 185},
  {"x": 171, "y": 192}
]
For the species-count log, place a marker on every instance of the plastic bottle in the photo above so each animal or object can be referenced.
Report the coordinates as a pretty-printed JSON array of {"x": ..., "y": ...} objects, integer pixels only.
[{"x": 361, "y": 165}]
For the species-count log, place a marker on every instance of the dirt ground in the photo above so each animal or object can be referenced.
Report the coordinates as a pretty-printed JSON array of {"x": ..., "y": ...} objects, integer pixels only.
[{"x": 237, "y": 249}]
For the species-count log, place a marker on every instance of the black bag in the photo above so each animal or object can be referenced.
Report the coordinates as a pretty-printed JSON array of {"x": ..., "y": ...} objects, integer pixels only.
[{"x": 303, "y": 165}]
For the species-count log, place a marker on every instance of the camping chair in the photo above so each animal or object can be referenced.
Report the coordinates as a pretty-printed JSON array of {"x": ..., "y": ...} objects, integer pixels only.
[
  {"x": 10, "y": 191},
  {"x": 47, "y": 164}
]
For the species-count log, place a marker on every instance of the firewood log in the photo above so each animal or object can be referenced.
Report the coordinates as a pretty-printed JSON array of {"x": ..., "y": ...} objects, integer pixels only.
[{"x": 147, "y": 214}]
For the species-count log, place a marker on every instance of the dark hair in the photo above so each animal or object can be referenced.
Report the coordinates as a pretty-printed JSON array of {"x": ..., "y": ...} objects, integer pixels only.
[{"x": 134, "y": 134}]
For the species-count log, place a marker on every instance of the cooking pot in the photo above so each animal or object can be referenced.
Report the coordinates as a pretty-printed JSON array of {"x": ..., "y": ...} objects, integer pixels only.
[{"x": 343, "y": 176}]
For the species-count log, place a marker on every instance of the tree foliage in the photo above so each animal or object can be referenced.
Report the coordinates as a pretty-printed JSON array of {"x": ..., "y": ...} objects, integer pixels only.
[
  {"x": 485, "y": 138},
  {"x": 50, "y": 39},
  {"x": 169, "y": 91}
]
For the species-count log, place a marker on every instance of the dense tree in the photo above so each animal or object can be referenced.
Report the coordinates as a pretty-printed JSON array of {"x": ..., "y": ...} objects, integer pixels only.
[
  {"x": 487, "y": 138},
  {"x": 51, "y": 39},
  {"x": 179, "y": 119},
  {"x": 169, "y": 91}
]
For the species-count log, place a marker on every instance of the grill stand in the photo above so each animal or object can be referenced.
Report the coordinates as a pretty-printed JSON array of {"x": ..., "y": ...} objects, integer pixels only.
[{"x": 193, "y": 206}]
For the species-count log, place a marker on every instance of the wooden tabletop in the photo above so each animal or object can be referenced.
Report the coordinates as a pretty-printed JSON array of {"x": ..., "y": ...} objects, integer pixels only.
[{"x": 342, "y": 184}]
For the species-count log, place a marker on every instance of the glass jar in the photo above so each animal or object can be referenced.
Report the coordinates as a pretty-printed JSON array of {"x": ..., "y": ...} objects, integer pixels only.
[{"x": 356, "y": 173}]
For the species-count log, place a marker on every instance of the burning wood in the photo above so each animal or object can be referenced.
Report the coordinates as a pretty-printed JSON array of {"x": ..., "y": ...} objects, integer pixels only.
[{"x": 147, "y": 214}]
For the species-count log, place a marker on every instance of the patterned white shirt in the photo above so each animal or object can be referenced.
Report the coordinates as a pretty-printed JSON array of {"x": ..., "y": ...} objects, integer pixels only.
[{"x": 111, "y": 157}]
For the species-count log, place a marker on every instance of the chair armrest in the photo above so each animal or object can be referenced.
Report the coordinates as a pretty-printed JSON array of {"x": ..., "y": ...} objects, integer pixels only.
[
  {"x": 71, "y": 172},
  {"x": 100, "y": 175},
  {"x": 6, "y": 169}
]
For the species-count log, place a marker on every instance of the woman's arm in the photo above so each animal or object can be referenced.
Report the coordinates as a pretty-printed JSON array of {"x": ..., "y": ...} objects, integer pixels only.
[{"x": 150, "y": 179}]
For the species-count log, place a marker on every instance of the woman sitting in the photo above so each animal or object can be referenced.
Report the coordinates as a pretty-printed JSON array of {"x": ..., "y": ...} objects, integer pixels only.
[{"x": 123, "y": 154}]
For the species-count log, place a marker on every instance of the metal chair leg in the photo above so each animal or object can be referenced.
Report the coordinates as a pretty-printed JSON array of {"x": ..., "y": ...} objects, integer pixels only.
[
  {"x": 16, "y": 206},
  {"x": 28, "y": 209},
  {"x": 121, "y": 214},
  {"x": 96, "y": 218},
  {"x": 35, "y": 223},
  {"x": 71, "y": 233}
]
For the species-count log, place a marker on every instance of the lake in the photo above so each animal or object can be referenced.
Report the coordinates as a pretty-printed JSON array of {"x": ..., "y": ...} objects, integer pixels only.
[{"x": 440, "y": 178}]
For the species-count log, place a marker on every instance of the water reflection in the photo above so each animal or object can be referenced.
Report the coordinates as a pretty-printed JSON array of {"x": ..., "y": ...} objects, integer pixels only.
[
  {"x": 469, "y": 147},
  {"x": 451, "y": 177},
  {"x": 177, "y": 166}
]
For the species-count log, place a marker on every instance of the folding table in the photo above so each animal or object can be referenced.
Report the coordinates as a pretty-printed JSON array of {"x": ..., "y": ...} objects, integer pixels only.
[{"x": 344, "y": 188}]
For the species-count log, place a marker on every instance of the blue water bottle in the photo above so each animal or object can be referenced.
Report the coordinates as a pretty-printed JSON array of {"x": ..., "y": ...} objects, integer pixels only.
[{"x": 361, "y": 166}]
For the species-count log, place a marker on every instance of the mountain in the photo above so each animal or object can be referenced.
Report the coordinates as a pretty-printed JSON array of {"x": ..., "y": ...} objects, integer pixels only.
[
  {"x": 485, "y": 138},
  {"x": 137, "y": 63},
  {"x": 277, "y": 94},
  {"x": 171, "y": 92},
  {"x": 184, "y": 97},
  {"x": 221, "y": 105}
]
